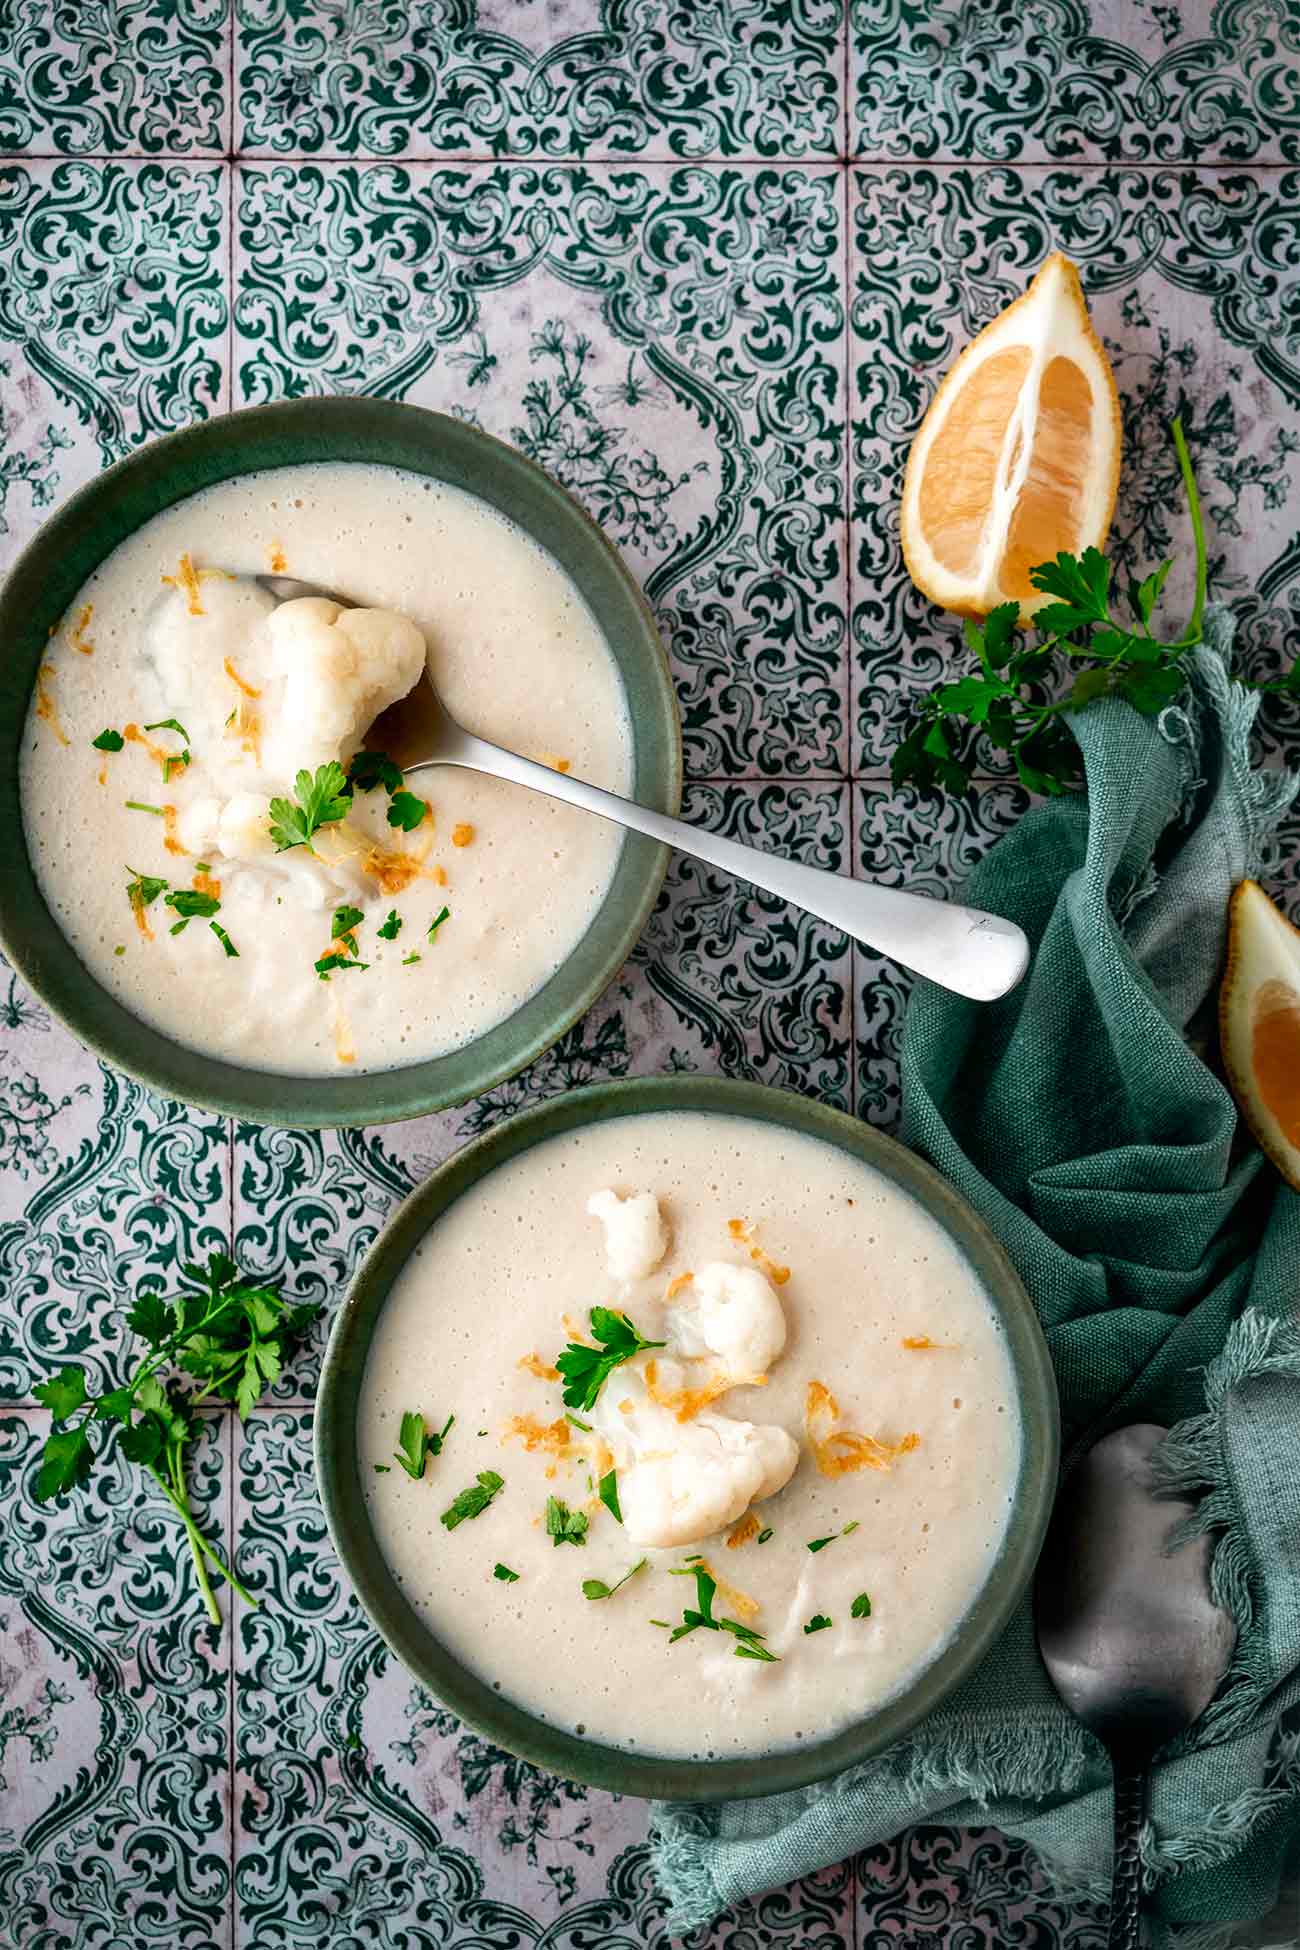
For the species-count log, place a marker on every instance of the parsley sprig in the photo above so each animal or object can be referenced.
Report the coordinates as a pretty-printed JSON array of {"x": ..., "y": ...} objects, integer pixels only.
[
  {"x": 1080, "y": 633},
  {"x": 227, "y": 1333},
  {"x": 415, "y": 1443},
  {"x": 320, "y": 798},
  {"x": 586, "y": 1369}
]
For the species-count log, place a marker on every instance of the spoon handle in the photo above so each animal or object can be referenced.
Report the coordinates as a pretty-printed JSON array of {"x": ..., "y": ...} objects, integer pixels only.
[
  {"x": 976, "y": 954},
  {"x": 1126, "y": 1876}
]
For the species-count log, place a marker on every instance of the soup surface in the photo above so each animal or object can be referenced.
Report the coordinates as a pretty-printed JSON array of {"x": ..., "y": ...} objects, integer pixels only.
[
  {"x": 832, "y": 1375},
  {"x": 168, "y": 876}
]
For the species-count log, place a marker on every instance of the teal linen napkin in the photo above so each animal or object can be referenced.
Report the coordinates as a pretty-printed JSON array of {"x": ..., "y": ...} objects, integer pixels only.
[{"x": 1080, "y": 1118}]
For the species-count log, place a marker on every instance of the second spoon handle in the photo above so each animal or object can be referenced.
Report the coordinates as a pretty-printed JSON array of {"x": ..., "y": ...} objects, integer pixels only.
[
  {"x": 976, "y": 954},
  {"x": 1126, "y": 1875}
]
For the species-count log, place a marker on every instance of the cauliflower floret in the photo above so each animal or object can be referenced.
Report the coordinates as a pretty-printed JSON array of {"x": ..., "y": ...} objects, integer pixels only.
[
  {"x": 340, "y": 669},
  {"x": 197, "y": 825},
  {"x": 681, "y": 1481},
  {"x": 244, "y": 829},
  {"x": 636, "y": 1238},
  {"x": 733, "y": 1312}
]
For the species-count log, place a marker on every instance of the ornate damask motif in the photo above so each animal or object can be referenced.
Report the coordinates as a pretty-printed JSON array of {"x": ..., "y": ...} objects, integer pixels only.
[
  {"x": 112, "y": 293},
  {"x": 1188, "y": 284},
  {"x": 511, "y": 77},
  {"x": 613, "y": 310},
  {"x": 1055, "y": 80},
  {"x": 96, "y": 77}
]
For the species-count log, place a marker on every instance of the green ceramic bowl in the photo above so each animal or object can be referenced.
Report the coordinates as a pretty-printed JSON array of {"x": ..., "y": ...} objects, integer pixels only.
[
  {"x": 92, "y": 523},
  {"x": 510, "y": 1726}
]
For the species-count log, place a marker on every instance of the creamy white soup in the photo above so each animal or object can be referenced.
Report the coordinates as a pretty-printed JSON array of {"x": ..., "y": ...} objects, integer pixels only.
[
  {"x": 176, "y": 704},
  {"x": 813, "y": 1472}
]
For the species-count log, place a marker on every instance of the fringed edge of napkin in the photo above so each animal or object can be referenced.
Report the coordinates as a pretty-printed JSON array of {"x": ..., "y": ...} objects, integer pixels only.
[{"x": 1192, "y": 1463}]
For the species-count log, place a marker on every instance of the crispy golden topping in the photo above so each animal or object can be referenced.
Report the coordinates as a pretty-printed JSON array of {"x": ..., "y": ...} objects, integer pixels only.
[
  {"x": 676, "y": 1286},
  {"x": 745, "y": 1607},
  {"x": 249, "y": 690},
  {"x": 839, "y": 1452},
  {"x": 462, "y": 835},
  {"x": 170, "y": 840},
  {"x": 742, "y": 1231},
  {"x": 46, "y": 708},
  {"x": 80, "y": 641},
  {"x": 742, "y": 1532},
  {"x": 138, "y": 909},
  {"x": 344, "y": 1047},
  {"x": 575, "y": 1330},
  {"x": 533, "y": 1364},
  {"x": 440, "y": 876},
  {"x": 551, "y": 1437},
  {"x": 393, "y": 867},
  {"x": 556, "y": 764},
  {"x": 134, "y": 736},
  {"x": 203, "y": 883},
  {"x": 187, "y": 579},
  {"x": 687, "y": 1403},
  {"x": 276, "y": 558},
  {"x": 918, "y": 1341}
]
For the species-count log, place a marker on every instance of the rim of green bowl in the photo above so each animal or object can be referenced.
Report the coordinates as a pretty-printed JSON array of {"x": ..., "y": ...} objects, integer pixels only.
[
  {"x": 500, "y": 1719},
  {"x": 91, "y": 523}
]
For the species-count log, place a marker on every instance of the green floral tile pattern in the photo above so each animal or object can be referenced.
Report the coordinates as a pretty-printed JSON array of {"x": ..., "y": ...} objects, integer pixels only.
[
  {"x": 601, "y": 320},
  {"x": 613, "y": 232},
  {"x": 104, "y": 77},
  {"x": 1086, "y": 80},
  {"x": 571, "y": 78},
  {"x": 1192, "y": 286}
]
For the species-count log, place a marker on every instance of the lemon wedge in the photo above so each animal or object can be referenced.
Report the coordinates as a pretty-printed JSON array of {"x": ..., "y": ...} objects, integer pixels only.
[
  {"x": 1018, "y": 454},
  {"x": 1259, "y": 1024}
]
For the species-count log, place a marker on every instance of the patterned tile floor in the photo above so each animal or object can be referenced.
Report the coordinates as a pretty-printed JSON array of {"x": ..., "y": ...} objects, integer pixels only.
[{"x": 704, "y": 259}]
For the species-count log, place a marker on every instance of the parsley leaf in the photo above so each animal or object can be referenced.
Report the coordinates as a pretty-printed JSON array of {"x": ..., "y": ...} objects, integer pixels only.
[
  {"x": 764, "y": 1536},
  {"x": 473, "y": 1501},
  {"x": 224, "y": 939},
  {"x": 319, "y": 800},
  {"x": 189, "y": 903},
  {"x": 700, "y": 1616},
  {"x": 437, "y": 921},
  {"x": 1009, "y": 697},
  {"x": 407, "y": 811},
  {"x": 608, "y": 1493},
  {"x": 345, "y": 919},
  {"x": 596, "y": 1588},
  {"x": 366, "y": 770},
  {"x": 392, "y": 927},
  {"x": 416, "y": 1444},
  {"x": 222, "y": 1330},
  {"x": 564, "y": 1526},
  {"x": 504, "y": 1574},
  {"x": 861, "y": 1606},
  {"x": 170, "y": 724},
  {"x": 586, "y": 1369},
  {"x": 820, "y": 1543},
  {"x": 108, "y": 741},
  {"x": 143, "y": 890},
  {"x": 335, "y": 965},
  {"x": 817, "y": 1623}
]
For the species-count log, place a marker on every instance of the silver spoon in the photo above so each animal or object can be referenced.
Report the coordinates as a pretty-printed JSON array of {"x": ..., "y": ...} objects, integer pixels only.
[
  {"x": 1128, "y": 1632},
  {"x": 976, "y": 954}
]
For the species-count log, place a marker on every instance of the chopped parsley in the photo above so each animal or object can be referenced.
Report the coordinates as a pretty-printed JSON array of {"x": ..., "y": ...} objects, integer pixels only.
[
  {"x": 415, "y": 1444},
  {"x": 438, "y": 920},
  {"x": 108, "y": 741},
  {"x": 170, "y": 724},
  {"x": 174, "y": 761},
  {"x": 817, "y": 1623},
  {"x": 564, "y": 1526},
  {"x": 585, "y": 1370},
  {"x": 392, "y": 927},
  {"x": 408, "y": 959},
  {"x": 383, "y": 1469},
  {"x": 608, "y": 1493},
  {"x": 406, "y": 811},
  {"x": 577, "y": 1422},
  {"x": 595, "y": 1588},
  {"x": 504, "y": 1575},
  {"x": 820, "y": 1543},
  {"x": 224, "y": 939},
  {"x": 191, "y": 905},
  {"x": 369, "y": 769},
  {"x": 751, "y": 1644},
  {"x": 143, "y": 890},
  {"x": 319, "y": 800},
  {"x": 861, "y": 1606},
  {"x": 765, "y": 1535},
  {"x": 345, "y": 919},
  {"x": 473, "y": 1501},
  {"x": 137, "y": 805},
  {"x": 335, "y": 965}
]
